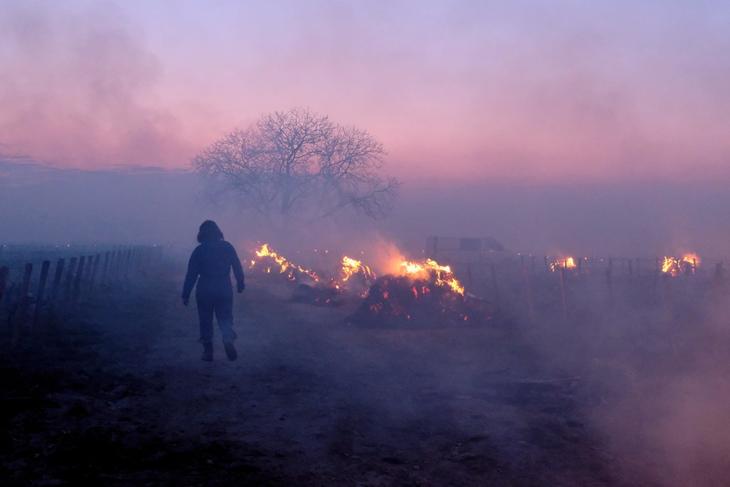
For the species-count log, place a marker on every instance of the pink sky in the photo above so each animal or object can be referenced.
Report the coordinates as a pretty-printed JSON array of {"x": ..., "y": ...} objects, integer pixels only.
[{"x": 537, "y": 91}]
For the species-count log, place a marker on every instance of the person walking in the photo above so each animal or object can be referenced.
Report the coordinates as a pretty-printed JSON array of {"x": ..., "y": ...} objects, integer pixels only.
[{"x": 210, "y": 267}]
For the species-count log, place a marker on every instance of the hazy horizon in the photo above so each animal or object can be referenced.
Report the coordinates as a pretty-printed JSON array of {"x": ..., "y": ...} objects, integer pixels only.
[{"x": 113, "y": 205}]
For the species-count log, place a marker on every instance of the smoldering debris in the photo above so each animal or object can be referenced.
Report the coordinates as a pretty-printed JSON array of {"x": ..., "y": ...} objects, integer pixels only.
[{"x": 396, "y": 301}]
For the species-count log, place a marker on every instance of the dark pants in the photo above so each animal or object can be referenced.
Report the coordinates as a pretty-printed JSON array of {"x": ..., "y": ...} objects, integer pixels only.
[{"x": 220, "y": 304}]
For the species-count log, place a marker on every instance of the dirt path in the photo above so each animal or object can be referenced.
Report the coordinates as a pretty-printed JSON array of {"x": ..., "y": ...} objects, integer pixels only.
[{"x": 124, "y": 397}]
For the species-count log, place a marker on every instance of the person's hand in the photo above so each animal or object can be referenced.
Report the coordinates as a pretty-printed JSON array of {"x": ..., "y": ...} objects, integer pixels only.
[
  {"x": 185, "y": 300},
  {"x": 241, "y": 286}
]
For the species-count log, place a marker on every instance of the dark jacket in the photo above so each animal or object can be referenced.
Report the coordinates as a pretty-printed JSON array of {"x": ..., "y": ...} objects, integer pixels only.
[{"x": 212, "y": 263}]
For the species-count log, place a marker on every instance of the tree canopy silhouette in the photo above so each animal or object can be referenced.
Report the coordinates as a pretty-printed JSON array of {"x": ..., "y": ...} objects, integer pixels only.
[{"x": 300, "y": 162}]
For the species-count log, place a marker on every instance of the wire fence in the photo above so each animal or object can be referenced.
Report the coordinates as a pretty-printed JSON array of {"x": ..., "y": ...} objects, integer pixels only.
[
  {"x": 536, "y": 286},
  {"x": 39, "y": 283}
]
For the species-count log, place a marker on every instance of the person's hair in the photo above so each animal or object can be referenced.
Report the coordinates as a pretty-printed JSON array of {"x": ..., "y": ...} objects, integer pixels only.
[{"x": 209, "y": 232}]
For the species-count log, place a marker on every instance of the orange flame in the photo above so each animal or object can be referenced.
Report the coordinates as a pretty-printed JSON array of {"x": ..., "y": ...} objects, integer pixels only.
[
  {"x": 692, "y": 259},
  {"x": 673, "y": 266},
  {"x": 441, "y": 274},
  {"x": 563, "y": 263},
  {"x": 351, "y": 266},
  {"x": 285, "y": 266}
]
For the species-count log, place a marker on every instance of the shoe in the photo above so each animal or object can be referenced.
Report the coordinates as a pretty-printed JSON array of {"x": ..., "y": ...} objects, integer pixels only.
[
  {"x": 207, "y": 352},
  {"x": 230, "y": 350}
]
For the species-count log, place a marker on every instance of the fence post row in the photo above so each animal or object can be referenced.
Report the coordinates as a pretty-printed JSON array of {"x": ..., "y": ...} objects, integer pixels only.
[
  {"x": 80, "y": 276},
  {"x": 85, "y": 273}
]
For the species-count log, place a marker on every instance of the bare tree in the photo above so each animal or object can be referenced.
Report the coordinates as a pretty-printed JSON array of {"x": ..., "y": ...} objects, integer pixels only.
[{"x": 297, "y": 161}]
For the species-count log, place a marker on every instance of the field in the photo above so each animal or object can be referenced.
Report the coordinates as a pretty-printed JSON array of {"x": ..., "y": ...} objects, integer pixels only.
[{"x": 622, "y": 389}]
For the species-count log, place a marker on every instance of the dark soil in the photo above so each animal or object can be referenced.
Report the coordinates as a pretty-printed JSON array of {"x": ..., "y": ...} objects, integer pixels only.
[{"x": 118, "y": 395}]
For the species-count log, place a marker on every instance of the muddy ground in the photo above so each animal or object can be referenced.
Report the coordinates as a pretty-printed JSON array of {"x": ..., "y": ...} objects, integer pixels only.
[{"x": 117, "y": 394}]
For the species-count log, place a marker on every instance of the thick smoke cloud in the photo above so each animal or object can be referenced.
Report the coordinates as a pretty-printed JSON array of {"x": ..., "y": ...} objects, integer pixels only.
[
  {"x": 557, "y": 92},
  {"x": 78, "y": 88}
]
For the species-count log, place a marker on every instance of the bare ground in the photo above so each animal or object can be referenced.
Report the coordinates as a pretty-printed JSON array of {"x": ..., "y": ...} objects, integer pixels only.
[{"x": 120, "y": 396}]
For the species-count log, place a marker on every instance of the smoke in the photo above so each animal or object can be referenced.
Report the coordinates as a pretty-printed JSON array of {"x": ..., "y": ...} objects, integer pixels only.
[
  {"x": 40, "y": 204},
  {"x": 79, "y": 88},
  {"x": 532, "y": 91},
  {"x": 582, "y": 219},
  {"x": 652, "y": 369},
  {"x": 603, "y": 220}
]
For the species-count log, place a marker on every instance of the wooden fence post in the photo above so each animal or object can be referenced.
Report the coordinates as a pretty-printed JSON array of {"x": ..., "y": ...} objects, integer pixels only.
[
  {"x": 40, "y": 295},
  {"x": 105, "y": 268},
  {"x": 68, "y": 282},
  {"x": 496, "y": 285},
  {"x": 668, "y": 297},
  {"x": 77, "y": 281},
  {"x": 718, "y": 276},
  {"x": 55, "y": 285},
  {"x": 113, "y": 265},
  {"x": 563, "y": 293},
  {"x": 118, "y": 265},
  {"x": 87, "y": 272},
  {"x": 92, "y": 277},
  {"x": 528, "y": 294},
  {"x": 121, "y": 258},
  {"x": 22, "y": 308},
  {"x": 609, "y": 280},
  {"x": 3, "y": 281},
  {"x": 127, "y": 263},
  {"x": 119, "y": 268}
]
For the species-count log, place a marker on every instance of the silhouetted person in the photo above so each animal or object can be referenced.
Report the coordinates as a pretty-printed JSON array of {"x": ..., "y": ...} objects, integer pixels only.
[{"x": 210, "y": 265}]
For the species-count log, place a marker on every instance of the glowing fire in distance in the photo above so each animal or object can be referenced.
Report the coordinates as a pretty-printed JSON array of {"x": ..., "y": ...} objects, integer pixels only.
[
  {"x": 285, "y": 266},
  {"x": 564, "y": 263},
  {"x": 430, "y": 269},
  {"x": 351, "y": 266},
  {"x": 673, "y": 266}
]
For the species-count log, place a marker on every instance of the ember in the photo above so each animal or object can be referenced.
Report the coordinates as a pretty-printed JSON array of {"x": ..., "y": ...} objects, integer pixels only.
[
  {"x": 318, "y": 295},
  {"x": 397, "y": 300},
  {"x": 269, "y": 261}
]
